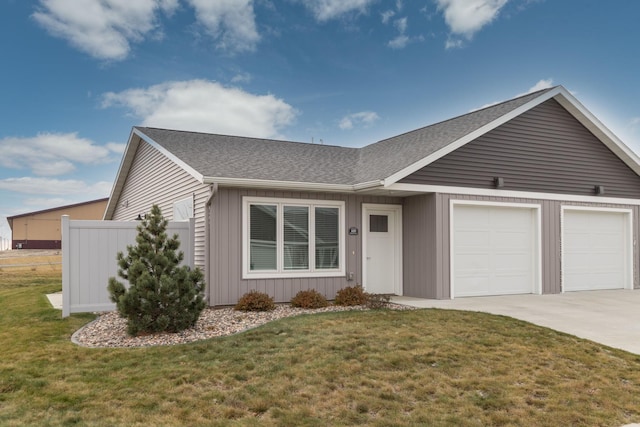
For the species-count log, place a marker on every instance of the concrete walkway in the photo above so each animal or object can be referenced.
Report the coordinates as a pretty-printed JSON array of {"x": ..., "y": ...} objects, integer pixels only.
[
  {"x": 607, "y": 317},
  {"x": 55, "y": 300}
]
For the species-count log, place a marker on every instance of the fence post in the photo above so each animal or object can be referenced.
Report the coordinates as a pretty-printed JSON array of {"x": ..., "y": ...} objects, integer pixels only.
[
  {"x": 66, "y": 264},
  {"x": 191, "y": 242}
]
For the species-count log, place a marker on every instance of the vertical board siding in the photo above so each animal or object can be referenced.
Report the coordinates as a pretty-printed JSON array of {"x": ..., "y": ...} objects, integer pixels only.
[
  {"x": 227, "y": 284},
  {"x": 543, "y": 150},
  {"x": 550, "y": 250},
  {"x": 154, "y": 179},
  {"x": 419, "y": 246},
  {"x": 87, "y": 266}
]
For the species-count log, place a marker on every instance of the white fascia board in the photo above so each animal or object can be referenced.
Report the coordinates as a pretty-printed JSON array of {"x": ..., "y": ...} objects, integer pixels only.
[
  {"x": 368, "y": 185},
  {"x": 595, "y": 126},
  {"x": 191, "y": 171},
  {"x": 419, "y": 188},
  {"x": 470, "y": 137},
  {"x": 123, "y": 171},
  {"x": 284, "y": 185}
]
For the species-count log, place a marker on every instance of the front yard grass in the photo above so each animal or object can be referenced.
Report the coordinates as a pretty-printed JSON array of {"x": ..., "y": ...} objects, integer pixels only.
[{"x": 387, "y": 368}]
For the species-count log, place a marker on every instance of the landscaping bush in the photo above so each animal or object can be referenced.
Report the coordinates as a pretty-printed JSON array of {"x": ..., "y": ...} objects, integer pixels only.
[
  {"x": 377, "y": 301},
  {"x": 162, "y": 296},
  {"x": 255, "y": 301},
  {"x": 309, "y": 299},
  {"x": 350, "y": 296}
]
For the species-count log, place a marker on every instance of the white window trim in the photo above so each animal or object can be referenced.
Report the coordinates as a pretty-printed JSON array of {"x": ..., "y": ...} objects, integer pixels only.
[{"x": 280, "y": 272}]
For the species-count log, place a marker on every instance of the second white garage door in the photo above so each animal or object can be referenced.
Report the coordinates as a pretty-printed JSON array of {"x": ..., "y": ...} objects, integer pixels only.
[
  {"x": 595, "y": 249},
  {"x": 494, "y": 250}
]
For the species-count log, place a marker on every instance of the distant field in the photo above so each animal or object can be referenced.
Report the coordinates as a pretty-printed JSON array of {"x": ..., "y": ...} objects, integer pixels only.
[{"x": 31, "y": 260}]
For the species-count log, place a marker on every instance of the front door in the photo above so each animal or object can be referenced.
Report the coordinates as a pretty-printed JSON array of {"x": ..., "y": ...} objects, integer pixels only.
[{"x": 382, "y": 248}]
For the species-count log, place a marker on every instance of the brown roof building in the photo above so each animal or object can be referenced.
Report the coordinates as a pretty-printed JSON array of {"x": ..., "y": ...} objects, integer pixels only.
[{"x": 41, "y": 229}]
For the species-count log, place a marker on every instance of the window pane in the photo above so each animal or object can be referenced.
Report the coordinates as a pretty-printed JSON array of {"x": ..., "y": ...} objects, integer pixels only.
[
  {"x": 262, "y": 244},
  {"x": 378, "y": 223},
  {"x": 327, "y": 249},
  {"x": 296, "y": 238}
]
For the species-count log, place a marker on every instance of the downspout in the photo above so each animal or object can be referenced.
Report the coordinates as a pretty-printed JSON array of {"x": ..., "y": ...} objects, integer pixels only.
[{"x": 213, "y": 189}]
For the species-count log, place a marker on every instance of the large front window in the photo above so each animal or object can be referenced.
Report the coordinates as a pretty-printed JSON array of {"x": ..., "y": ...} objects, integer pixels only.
[{"x": 291, "y": 237}]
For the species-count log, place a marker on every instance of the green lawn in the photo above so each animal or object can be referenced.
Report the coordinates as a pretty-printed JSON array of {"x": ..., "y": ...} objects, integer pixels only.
[{"x": 387, "y": 368}]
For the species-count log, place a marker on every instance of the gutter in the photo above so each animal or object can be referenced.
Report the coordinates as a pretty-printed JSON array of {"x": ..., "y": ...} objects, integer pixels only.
[
  {"x": 213, "y": 190},
  {"x": 291, "y": 185}
]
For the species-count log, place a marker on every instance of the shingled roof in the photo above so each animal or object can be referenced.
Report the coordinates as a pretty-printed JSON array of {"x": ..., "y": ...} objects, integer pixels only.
[
  {"x": 223, "y": 156},
  {"x": 236, "y": 160}
]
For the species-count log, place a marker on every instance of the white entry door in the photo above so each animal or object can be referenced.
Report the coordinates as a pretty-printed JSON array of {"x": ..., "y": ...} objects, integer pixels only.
[{"x": 382, "y": 249}]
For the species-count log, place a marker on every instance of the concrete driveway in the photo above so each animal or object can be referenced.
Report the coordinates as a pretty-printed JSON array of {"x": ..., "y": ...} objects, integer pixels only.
[{"x": 608, "y": 317}]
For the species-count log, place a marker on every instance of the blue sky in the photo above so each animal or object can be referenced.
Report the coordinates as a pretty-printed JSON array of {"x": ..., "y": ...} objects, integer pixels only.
[{"x": 78, "y": 74}]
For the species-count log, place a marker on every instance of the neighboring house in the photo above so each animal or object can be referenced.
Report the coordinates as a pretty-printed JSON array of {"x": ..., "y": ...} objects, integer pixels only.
[
  {"x": 532, "y": 195},
  {"x": 41, "y": 229}
]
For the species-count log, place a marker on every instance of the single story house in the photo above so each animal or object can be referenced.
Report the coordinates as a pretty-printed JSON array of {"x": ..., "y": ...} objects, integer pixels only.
[
  {"x": 41, "y": 229},
  {"x": 532, "y": 195}
]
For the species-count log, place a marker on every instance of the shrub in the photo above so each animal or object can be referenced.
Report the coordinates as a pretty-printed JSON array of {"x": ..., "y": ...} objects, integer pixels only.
[
  {"x": 162, "y": 296},
  {"x": 377, "y": 301},
  {"x": 351, "y": 295},
  {"x": 309, "y": 299},
  {"x": 255, "y": 301}
]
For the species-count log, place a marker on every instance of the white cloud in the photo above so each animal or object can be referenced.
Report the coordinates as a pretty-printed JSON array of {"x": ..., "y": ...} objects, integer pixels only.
[
  {"x": 48, "y": 154},
  {"x": 325, "y": 10},
  {"x": 401, "y": 24},
  {"x": 402, "y": 40},
  {"x": 104, "y": 29},
  {"x": 242, "y": 78},
  {"x": 466, "y": 17},
  {"x": 56, "y": 187},
  {"x": 116, "y": 147},
  {"x": 205, "y": 106},
  {"x": 363, "y": 118},
  {"x": 541, "y": 84},
  {"x": 399, "y": 42},
  {"x": 231, "y": 22},
  {"x": 387, "y": 15},
  {"x": 635, "y": 121}
]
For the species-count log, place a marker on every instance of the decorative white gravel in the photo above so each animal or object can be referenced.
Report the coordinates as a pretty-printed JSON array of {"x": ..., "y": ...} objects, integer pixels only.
[{"x": 110, "y": 330}]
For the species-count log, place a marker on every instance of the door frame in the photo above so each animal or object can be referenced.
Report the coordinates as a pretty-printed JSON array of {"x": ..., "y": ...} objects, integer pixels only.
[
  {"x": 536, "y": 286},
  {"x": 629, "y": 243},
  {"x": 397, "y": 210}
]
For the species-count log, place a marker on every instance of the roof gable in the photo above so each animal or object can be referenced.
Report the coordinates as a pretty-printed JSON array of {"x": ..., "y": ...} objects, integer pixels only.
[{"x": 544, "y": 150}]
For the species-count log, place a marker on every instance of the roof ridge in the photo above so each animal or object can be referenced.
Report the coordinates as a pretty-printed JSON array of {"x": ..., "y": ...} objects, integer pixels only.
[
  {"x": 537, "y": 93},
  {"x": 241, "y": 137}
]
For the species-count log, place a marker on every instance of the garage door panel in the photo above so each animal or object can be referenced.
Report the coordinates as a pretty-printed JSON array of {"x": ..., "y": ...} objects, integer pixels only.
[
  {"x": 508, "y": 284},
  {"x": 513, "y": 262},
  {"x": 493, "y": 250},
  {"x": 472, "y": 286},
  {"x": 472, "y": 239},
  {"x": 512, "y": 240},
  {"x": 473, "y": 263},
  {"x": 510, "y": 218},
  {"x": 595, "y": 250}
]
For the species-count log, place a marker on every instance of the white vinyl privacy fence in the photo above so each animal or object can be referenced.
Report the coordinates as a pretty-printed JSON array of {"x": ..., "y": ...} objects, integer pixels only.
[{"x": 89, "y": 251}]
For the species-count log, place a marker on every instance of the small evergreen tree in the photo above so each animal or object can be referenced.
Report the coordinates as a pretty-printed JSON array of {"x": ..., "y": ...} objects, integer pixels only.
[{"x": 162, "y": 295}]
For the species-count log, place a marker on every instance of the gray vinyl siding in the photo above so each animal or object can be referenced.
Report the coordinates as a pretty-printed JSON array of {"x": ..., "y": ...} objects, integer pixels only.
[
  {"x": 422, "y": 283},
  {"x": 543, "y": 150},
  {"x": 420, "y": 246},
  {"x": 154, "y": 179},
  {"x": 226, "y": 282}
]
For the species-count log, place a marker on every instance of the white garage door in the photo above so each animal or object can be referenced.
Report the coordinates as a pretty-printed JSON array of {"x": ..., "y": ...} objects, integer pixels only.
[
  {"x": 494, "y": 250},
  {"x": 595, "y": 250}
]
